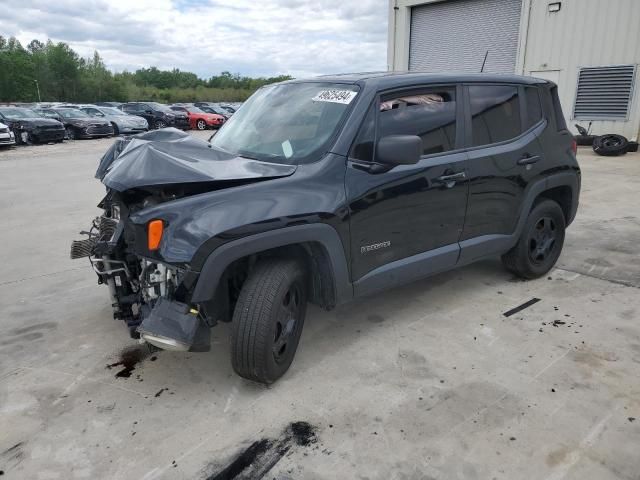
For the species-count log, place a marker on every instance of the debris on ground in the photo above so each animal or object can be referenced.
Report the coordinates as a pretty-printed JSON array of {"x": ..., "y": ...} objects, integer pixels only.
[
  {"x": 262, "y": 455},
  {"x": 519, "y": 308}
]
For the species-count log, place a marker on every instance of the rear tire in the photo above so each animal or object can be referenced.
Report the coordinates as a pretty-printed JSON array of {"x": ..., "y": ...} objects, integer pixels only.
[
  {"x": 201, "y": 125},
  {"x": 540, "y": 243},
  {"x": 268, "y": 320},
  {"x": 116, "y": 131}
]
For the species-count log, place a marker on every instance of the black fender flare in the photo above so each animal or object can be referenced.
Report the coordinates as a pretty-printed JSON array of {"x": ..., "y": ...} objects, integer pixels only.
[
  {"x": 562, "y": 179},
  {"x": 327, "y": 236}
]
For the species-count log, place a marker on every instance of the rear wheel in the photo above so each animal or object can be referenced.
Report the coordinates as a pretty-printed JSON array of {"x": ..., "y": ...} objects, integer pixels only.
[
  {"x": 116, "y": 131},
  {"x": 201, "y": 125},
  {"x": 268, "y": 320},
  {"x": 540, "y": 244}
]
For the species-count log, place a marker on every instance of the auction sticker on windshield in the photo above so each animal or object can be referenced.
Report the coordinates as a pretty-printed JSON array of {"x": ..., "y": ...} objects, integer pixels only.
[{"x": 335, "y": 96}]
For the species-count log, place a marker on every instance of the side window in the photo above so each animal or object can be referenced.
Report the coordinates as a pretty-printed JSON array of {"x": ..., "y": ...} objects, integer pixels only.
[
  {"x": 495, "y": 113},
  {"x": 128, "y": 108},
  {"x": 534, "y": 110},
  {"x": 363, "y": 147},
  {"x": 429, "y": 114}
]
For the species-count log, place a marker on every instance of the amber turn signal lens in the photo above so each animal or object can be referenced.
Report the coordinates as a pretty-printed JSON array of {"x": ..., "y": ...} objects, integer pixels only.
[{"x": 154, "y": 234}]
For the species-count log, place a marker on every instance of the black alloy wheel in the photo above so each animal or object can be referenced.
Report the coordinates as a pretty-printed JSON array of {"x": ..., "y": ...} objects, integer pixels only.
[
  {"x": 542, "y": 240},
  {"x": 286, "y": 325}
]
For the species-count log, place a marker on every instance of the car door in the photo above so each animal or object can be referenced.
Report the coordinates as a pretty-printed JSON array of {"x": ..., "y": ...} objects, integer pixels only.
[
  {"x": 406, "y": 221},
  {"x": 504, "y": 157}
]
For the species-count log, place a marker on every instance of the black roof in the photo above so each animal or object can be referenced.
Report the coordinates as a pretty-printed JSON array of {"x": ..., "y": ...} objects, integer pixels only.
[{"x": 383, "y": 80}]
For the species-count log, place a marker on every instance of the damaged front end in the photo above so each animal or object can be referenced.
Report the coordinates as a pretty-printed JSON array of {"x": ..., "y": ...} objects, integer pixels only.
[
  {"x": 142, "y": 245},
  {"x": 148, "y": 295}
]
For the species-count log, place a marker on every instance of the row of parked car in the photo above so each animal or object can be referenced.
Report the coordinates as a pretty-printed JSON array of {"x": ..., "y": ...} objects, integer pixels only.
[{"x": 44, "y": 123}]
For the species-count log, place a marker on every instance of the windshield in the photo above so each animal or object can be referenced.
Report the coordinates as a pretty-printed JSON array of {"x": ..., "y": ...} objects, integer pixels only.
[
  {"x": 18, "y": 113},
  {"x": 290, "y": 123},
  {"x": 111, "y": 111},
  {"x": 72, "y": 113},
  {"x": 194, "y": 110}
]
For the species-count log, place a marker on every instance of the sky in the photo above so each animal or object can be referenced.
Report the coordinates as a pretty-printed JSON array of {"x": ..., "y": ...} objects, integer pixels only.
[{"x": 253, "y": 38}]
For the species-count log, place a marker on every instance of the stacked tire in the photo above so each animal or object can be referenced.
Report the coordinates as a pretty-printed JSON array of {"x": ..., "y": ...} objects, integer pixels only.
[{"x": 611, "y": 145}]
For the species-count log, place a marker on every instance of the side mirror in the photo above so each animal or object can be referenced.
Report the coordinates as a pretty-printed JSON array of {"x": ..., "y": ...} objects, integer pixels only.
[
  {"x": 148, "y": 111},
  {"x": 399, "y": 150},
  {"x": 99, "y": 114}
]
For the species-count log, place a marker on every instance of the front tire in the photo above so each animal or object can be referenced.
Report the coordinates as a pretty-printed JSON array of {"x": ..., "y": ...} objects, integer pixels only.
[
  {"x": 268, "y": 320},
  {"x": 540, "y": 243},
  {"x": 70, "y": 133},
  {"x": 201, "y": 125},
  {"x": 116, "y": 130},
  {"x": 160, "y": 124}
]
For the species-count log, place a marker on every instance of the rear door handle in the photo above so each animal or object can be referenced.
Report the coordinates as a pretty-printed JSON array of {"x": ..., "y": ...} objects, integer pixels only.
[{"x": 528, "y": 159}]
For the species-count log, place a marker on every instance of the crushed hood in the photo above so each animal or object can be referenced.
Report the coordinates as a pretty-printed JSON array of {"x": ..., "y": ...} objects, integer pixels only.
[{"x": 170, "y": 156}]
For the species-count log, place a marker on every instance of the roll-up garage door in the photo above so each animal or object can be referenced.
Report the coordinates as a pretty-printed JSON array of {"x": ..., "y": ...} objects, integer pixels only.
[{"x": 455, "y": 35}]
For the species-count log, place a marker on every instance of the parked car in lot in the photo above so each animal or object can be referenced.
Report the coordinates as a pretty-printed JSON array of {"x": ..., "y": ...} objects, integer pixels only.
[
  {"x": 213, "y": 108},
  {"x": 120, "y": 121},
  {"x": 230, "y": 108},
  {"x": 7, "y": 137},
  {"x": 324, "y": 190},
  {"x": 108, "y": 104},
  {"x": 199, "y": 119},
  {"x": 29, "y": 127},
  {"x": 157, "y": 115},
  {"x": 78, "y": 124}
]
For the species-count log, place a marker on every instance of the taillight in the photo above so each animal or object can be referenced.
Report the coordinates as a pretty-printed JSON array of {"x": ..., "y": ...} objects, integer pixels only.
[
  {"x": 574, "y": 146},
  {"x": 154, "y": 234}
]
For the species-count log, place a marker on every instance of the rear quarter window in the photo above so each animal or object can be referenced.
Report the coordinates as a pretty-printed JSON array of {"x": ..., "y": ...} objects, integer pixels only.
[
  {"x": 561, "y": 123},
  {"x": 534, "y": 108}
]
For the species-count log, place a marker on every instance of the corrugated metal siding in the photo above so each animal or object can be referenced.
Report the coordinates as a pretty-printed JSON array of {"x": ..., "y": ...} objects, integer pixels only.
[
  {"x": 604, "y": 92},
  {"x": 586, "y": 33},
  {"x": 455, "y": 36}
]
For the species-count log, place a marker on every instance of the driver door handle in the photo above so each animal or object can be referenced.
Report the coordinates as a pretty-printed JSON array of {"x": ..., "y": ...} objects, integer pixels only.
[{"x": 452, "y": 178}]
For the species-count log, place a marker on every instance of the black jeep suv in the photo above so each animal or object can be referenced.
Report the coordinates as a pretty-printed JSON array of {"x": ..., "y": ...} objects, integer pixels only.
[{"x": 324, "y": 190}]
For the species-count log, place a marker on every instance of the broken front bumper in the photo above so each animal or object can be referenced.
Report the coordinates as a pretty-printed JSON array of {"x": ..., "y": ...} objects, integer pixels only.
[{"x": 146, "y": 294}]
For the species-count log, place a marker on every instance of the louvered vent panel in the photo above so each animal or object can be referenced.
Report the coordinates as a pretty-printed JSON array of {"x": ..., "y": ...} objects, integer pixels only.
[{"x": 604, "y": 92}]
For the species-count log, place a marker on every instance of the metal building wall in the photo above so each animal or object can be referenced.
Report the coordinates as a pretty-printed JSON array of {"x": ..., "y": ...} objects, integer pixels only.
[{"x": 584, "y": 33}]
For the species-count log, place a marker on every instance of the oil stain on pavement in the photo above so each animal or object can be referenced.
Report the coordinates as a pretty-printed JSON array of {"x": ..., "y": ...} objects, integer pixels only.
[{"x": 128, "y": 359}]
